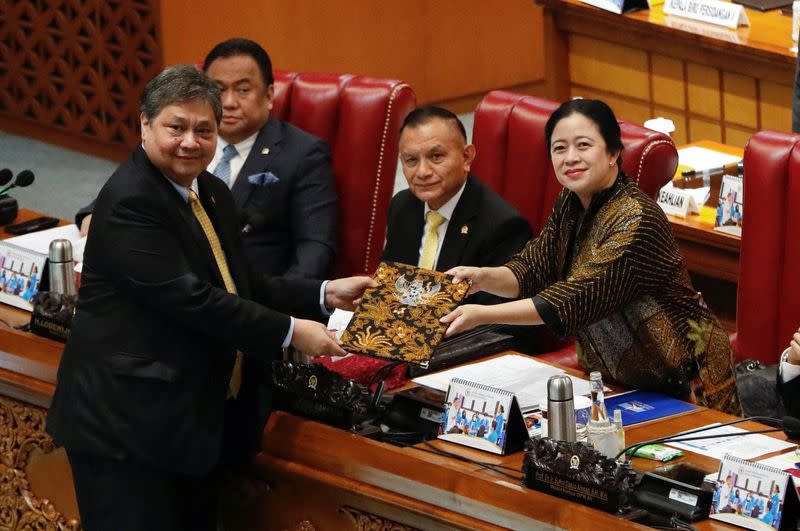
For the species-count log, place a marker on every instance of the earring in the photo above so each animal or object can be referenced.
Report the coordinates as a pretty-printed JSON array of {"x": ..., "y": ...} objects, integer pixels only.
[{"x": 610, "y": 163}]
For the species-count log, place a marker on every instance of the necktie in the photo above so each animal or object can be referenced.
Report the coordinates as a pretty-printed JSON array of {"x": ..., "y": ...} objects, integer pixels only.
[
  {"x": 219, "y": 256},
  {"x": 223, "y": 167},
  {"x": 427, "y": 259}
]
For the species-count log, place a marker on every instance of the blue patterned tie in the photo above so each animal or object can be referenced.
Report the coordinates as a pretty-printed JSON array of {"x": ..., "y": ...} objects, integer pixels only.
[{"x": 223, "y": 168}]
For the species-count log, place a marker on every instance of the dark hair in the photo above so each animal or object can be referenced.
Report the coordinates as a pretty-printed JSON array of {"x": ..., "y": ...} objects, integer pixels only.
[
  {"x": 239, "y": 46},
  {"x": 595, "y": 110},
  {"x": 423, "y": 115},
  {"x": 179, "y": 84}
]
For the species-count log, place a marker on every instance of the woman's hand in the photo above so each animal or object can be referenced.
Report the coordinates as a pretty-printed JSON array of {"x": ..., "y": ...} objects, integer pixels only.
[
  {"x": 476, "y": 275},
  {"x": 465, "y": 318}
]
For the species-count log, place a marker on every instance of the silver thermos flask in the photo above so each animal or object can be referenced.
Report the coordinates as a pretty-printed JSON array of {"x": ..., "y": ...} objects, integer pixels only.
[
  {"x": 560, "y": 409},
  {"x": 62, "y": 270}
]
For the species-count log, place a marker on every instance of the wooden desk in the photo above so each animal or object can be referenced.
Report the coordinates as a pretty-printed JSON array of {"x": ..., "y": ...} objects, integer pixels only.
[
  {"x": 714, "y": 83},
  {"x": 707, "y": 251},
  {"x": 318, "y": 477}
]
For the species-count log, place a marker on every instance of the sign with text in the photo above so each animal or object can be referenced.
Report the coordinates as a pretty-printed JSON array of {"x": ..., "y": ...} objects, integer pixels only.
[
  {"x": 618, "y": 6},
  {"x": 712, "y": 11},
  {"x": 677, "y": 202}
]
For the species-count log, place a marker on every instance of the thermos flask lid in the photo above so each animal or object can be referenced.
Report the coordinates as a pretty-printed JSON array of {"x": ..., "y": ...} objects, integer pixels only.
[
  {"x": 60, "y": 251},
  {"x": 559, "y": 387}
]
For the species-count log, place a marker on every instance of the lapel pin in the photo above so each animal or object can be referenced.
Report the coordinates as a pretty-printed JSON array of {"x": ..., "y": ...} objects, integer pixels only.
[
  {"x": 265, "y": 151},
  {"x": 465, "y": 230}
]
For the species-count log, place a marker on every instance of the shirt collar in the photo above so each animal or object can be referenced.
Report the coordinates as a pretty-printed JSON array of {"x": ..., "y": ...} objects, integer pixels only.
[
  {"x": 241, "y": 147},
  {"x": 446, "y": 210}
]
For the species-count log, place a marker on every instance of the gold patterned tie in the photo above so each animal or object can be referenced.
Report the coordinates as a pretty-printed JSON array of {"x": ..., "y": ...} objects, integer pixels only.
[
  {"x": 219, "y": 256},
  {"x": 428, "y": 257}
]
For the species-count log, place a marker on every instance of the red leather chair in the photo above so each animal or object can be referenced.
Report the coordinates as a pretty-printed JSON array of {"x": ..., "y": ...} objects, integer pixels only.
[
  {"x": 512, "y": 159},
  {"x": 360, "y": 118},
  {"x": 768, "y": 305},
  {"x": 512, "y": 156}
]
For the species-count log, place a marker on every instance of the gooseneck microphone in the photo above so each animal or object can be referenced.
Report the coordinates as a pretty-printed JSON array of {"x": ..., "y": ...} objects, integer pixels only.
[{"x": 24, "y": 178}]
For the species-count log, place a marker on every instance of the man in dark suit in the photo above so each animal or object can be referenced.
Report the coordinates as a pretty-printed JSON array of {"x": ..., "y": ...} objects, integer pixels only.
[
  {"x": 477, "y": 227},
  {"x": 157, "y": 383},
  {"x": 280, "y": 176}
]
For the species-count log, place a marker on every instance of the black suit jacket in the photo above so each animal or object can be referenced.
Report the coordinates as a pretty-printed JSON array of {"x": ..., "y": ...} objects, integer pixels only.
[
  {"x": 790, "y": 393},
  {"x": 484, "y": 231},
  {"x": 298, "y": 236},
  {"x": 145, "y": 372},
  {"x": 295, "y": 218}
]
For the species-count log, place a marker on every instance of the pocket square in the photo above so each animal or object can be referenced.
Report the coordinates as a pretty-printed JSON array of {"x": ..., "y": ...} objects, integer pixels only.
[{"x": 262, "y": 179}]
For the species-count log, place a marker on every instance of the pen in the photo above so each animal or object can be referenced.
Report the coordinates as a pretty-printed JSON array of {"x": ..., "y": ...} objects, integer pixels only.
[{"x": 734, "y": 168}]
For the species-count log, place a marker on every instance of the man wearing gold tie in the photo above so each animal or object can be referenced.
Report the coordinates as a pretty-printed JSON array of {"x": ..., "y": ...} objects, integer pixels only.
[
  {"x": 157, "y": 383},
  {"x": 447, "y": 217}
]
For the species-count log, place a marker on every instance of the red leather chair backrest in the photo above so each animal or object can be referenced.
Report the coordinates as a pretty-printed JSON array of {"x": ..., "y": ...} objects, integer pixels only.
[
  {"x": 360, "y": 118},
  {"x": 768, "y": 306},
  {"x": 512, "y": 156}
]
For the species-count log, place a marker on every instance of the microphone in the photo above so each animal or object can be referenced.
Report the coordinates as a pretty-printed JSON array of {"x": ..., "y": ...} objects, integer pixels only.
[
  {"x": 24, "y": 178},
  {"x": 253, "y": 222},
  {"x": 5, "y": 176}
]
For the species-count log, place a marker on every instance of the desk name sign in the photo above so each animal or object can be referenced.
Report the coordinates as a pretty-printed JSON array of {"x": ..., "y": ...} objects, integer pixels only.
[
  {"x": 677, "y": 202},
  {"x": 618, "y": 6},
  {"x": 712, "y": 11}
]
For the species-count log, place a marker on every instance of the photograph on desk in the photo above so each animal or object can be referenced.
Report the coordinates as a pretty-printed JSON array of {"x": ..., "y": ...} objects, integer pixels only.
[
  {"x": 752, "y": 495},
  {"x": 399, "y": 319},
  {"x": 483, "y": 417},
  {"x": 730, "y": 206},
  {"x": 20, "y": 274}
]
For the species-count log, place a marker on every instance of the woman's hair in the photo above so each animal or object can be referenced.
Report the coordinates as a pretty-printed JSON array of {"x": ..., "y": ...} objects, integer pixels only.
[{"x": 596, "y": 111}]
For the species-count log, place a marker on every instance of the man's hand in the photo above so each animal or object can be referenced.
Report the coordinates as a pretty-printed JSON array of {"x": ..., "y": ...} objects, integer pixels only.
[
  {"x": 794, "y": 349},
  {"x": 313, "y": 339},
  {"x": 464, "y": 318},
  {"x": 85, "y": 225},
  {"x": 345, "y": 293}
]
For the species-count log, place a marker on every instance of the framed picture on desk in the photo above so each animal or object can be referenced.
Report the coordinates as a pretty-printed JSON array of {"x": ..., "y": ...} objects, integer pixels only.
[{"x": 730, "y": 206}]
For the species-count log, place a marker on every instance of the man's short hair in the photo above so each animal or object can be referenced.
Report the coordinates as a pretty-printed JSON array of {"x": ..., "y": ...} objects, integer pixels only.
[
  {"x": 239, "y": 46},
  {"x": 423, "y": 115},
  {"x": 179, "y": 84}
]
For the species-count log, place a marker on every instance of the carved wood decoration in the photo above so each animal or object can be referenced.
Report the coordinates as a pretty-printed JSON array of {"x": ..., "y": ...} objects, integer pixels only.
[
  {"x": 75, "y": 69},
  {"x": 22, "y": 435},
  {"x": 363, "y": 521}
]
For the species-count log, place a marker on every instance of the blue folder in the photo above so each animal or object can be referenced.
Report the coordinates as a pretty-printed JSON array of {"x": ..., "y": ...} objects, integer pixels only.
[{"x": 641, "y": 406}]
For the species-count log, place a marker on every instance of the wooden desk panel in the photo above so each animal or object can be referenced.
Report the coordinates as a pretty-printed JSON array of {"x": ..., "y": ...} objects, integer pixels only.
[{"x": 714, "y": 83}]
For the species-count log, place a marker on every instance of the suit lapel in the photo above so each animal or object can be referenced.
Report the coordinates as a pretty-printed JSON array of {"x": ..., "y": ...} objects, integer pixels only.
[
  {"x": 459, "y": 228},
  {"x": 266, "y": 146}
]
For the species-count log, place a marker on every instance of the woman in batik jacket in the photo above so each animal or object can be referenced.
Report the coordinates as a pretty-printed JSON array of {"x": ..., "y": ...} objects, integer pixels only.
[{"x": 606, "y": 269}]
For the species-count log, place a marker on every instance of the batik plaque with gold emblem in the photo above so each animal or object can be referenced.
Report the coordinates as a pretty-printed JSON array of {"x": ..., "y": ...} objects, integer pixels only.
[{"x": 399, "y": 319}]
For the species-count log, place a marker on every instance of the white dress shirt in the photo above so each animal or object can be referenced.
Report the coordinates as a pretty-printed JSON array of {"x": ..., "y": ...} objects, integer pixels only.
[
  {"x": 446, "y": 212},
  {"x": 243, "y": 151},
  {"x": 788, "y": 370}
]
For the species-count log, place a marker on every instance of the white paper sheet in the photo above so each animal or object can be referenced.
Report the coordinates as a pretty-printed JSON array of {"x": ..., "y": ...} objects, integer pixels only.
[
  {"x": 522, "y": 375},
  {"x": 700, "y": 158},
  {"x": 39, "y": 241},
  {"x": 745, "y": 447}
]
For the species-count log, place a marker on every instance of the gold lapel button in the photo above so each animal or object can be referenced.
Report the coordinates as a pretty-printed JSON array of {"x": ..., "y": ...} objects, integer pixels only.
[
  {"x": 265, "y": 151},
  {"x": 465, "y": 230}
]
